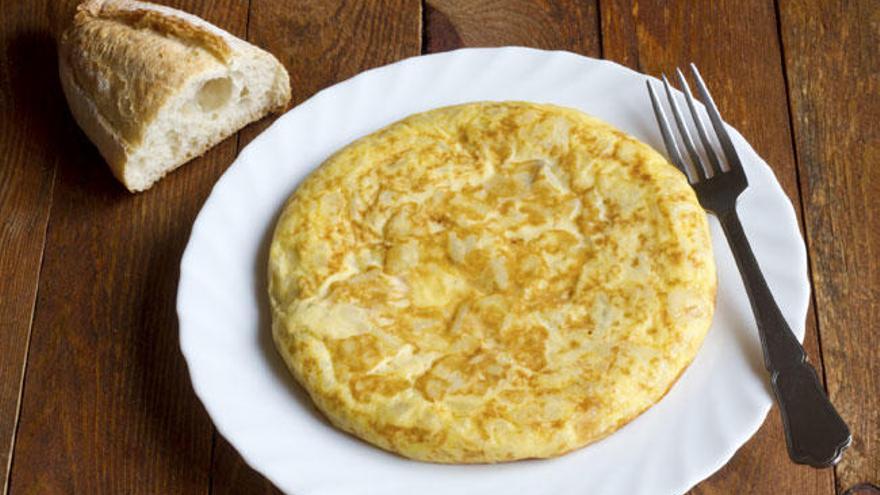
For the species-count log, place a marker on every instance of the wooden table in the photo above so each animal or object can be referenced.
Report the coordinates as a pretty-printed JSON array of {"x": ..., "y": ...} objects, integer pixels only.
[{"x": 94, "y": 394}]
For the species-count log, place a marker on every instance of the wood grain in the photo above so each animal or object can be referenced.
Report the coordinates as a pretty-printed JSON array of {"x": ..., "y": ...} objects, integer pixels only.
[
  {"x": 736, "y": 46},
  {"x": 833, "y": 64},
  {"x": 321, "y": 43},
  {"x": 27, "y": 169},
  {"x": 560, "y": 25},
  {"x": 107, "y": 404}
]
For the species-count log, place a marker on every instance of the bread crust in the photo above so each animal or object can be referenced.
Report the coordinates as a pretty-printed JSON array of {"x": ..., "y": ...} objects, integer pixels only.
[
  {"x": 122, "y": 61},
  {"x": 137, "y": 16},
  {"x": 90, "y": 121}
]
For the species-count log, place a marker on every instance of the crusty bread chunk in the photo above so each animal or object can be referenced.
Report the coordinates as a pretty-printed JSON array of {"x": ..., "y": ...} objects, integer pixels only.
[{"x": 154, "y": 87}]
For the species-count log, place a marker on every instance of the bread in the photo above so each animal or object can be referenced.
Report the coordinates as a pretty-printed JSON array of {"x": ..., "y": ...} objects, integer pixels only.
[
  {"x": 154, "y": 87},
  {"x": 490, "y": 282}
]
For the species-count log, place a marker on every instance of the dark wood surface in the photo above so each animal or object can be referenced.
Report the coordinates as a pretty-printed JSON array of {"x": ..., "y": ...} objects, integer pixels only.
[
  {"x": 94, "y": 394},
  {"x": 27, "y": 172},
  {"x": 833, "y": 66}
]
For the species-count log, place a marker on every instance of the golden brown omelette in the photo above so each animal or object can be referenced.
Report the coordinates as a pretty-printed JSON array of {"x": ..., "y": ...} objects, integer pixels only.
[{"x": 490, "y": 281}]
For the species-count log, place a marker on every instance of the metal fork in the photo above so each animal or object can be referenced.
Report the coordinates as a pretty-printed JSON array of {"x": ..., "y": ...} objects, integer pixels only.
[{"x": 814, "y": 431}]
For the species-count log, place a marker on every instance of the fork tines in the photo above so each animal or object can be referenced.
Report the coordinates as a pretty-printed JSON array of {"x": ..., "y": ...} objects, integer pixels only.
[{"x": 699, "y": 167}]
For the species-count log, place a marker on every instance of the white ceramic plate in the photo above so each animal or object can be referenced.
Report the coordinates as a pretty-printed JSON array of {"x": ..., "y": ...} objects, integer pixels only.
[{"x": 718, "y": 403}]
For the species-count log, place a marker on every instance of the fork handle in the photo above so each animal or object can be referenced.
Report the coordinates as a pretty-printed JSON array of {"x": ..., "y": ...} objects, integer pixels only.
[{"x": 814, "y": 431}]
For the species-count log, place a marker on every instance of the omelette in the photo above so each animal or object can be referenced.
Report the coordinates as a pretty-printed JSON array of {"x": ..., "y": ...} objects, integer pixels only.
[{"x": 489, "y": 282}]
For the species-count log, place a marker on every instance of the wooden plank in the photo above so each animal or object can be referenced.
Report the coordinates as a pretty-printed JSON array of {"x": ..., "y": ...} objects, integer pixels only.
[
  {"x": 320, "y": 42},
  {"x": 832, "y": 61},
  {"x": 736, "y": 46},
  {"x": 562, "y": 25},
  {"x": 27, "y": 170},
  {"x": 107, "y": 404},
  {"x": 231, "y": 476}
]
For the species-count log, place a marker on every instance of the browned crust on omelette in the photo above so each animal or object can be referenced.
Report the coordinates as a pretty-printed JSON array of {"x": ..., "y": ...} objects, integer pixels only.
[{"x": 491, "y": 282}]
